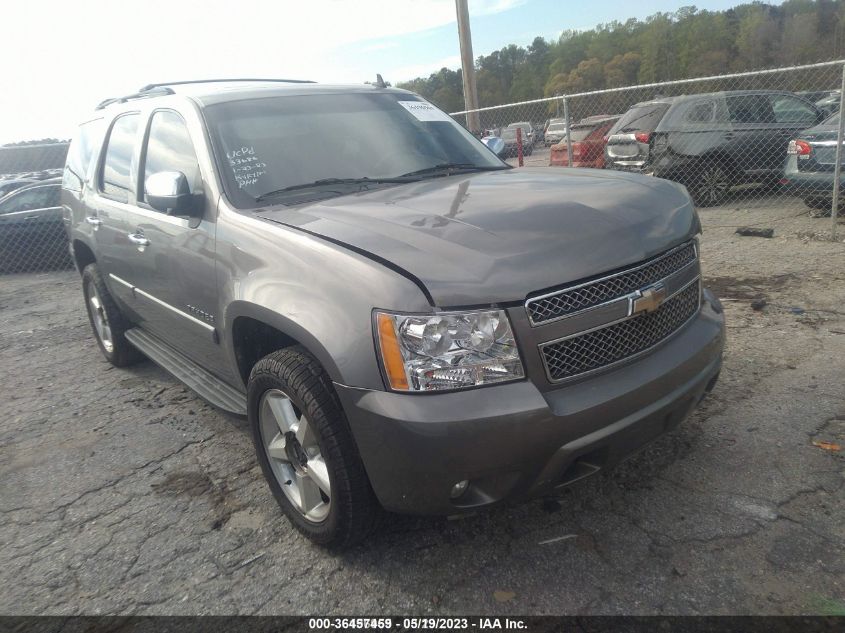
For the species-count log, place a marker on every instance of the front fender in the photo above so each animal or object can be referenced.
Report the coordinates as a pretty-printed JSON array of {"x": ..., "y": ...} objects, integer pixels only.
[{"x": 314, "y": 291}]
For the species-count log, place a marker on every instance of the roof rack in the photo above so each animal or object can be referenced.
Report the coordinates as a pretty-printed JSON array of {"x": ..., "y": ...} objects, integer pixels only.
[
  {"x": 211, "y": 81},
  {"x": 161, "y": 89},
  {"x": 156, "y": 91}
]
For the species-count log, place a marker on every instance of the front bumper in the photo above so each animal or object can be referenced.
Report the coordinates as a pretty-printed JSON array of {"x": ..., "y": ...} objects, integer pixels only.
[{"x": 514, "y": 440}]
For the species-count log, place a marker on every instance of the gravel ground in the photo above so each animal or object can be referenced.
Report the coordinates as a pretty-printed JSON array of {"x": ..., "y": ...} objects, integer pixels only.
[{"x": 121, "y": 492}]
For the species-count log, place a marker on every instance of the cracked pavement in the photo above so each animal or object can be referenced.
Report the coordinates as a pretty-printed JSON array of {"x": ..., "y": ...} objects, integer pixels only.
[{"x": 123, "y": 493}]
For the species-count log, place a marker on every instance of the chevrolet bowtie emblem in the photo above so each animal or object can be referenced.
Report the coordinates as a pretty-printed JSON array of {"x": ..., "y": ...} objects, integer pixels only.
[{"x": 650, "y": 299}]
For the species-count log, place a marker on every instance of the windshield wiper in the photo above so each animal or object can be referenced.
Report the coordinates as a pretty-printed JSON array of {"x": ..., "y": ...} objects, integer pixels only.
[
  {"x": 449, "y": 167},
  {"x": 329, "y": 181}
]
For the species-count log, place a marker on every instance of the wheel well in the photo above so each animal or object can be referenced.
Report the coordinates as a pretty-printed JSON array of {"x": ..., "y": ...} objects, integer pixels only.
[
  {"x": 82, "y": 255},
  {"x": 253, "y": 340}
]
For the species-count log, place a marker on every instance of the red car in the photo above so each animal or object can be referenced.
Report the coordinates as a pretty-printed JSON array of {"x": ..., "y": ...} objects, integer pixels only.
[{"x": 587, "y": 143}]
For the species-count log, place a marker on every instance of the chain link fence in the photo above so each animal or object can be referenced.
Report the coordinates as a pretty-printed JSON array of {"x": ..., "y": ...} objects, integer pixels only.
[
  {"x": 769, "y": 138},
  {"x": 32, "y": 234},
  {"x": 762, "y": 139}
]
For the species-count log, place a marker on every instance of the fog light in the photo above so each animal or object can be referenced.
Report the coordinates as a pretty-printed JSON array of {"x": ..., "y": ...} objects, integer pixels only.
[{"x": 459, "y": 488}]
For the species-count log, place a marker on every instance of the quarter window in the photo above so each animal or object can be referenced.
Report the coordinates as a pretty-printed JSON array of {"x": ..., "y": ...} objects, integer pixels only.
[
  {"x": 79, "y": 155},
  {"x": 115, "y": 178},
  {"x": 169, "y": 148},
  {"x": 704, "y": 112}
]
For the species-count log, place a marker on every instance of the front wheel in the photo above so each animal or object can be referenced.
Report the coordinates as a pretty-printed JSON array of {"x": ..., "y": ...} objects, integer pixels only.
[
  {"x": 306, "y": 450},
  {"x": 710, "y": 184}
]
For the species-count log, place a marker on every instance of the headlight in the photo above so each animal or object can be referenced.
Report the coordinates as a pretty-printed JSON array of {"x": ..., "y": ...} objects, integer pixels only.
[{"x": 446, "y": 351}]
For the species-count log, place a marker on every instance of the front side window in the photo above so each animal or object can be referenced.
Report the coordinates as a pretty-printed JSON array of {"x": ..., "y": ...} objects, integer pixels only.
[
  {"x": 169, "y": 148},
  {"x": 115, "y": 177},
  {"x": 43, "y": 197},
  {"x": 263, "y": 145}
]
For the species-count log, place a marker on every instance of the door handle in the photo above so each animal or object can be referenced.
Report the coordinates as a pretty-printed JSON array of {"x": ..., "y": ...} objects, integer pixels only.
[
  {"x": 94, "y": 221},
  {"x": 138, "y": 239}
]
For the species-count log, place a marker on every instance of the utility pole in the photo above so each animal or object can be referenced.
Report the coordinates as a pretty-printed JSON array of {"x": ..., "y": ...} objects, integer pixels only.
[{"x": 467, "y": 66}]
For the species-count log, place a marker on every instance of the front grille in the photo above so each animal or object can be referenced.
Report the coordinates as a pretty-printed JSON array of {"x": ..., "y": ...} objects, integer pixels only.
[
  {"x": 600, "y": 348},
  {"x": 568, "y": 301}
]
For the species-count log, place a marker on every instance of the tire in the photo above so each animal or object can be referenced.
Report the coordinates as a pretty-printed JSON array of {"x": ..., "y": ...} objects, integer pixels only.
[
  {"x": 107, "y": 322},
  {"x": 315, "y": 472},
  {"x": 710, "y": 184}
]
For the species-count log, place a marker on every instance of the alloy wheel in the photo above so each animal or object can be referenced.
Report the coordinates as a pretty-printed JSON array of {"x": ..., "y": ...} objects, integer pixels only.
[
  {"x": 294, "y": 455},
  {"x": 98, "y": 316},
  {"x": 713, "y": 185}
]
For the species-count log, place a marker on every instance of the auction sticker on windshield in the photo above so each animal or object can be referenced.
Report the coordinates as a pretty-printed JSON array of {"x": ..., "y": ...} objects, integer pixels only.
[{"x": 424, "y": 111}]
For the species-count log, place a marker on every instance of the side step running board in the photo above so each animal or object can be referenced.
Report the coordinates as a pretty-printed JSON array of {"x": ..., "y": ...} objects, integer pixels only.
[{"x": 206, "y": 385}]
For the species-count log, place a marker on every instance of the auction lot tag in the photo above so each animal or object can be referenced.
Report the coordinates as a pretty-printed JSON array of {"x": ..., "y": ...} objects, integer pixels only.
[{"x": 424, "y": 111}]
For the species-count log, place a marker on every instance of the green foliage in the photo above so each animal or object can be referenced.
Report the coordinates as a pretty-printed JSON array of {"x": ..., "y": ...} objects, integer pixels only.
[{"x": 664, "y": 46}]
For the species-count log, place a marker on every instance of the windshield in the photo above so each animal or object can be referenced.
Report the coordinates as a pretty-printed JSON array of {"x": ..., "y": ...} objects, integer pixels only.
[
  {"x": 557, "y": 127},
  {"x": 641, "y": 118},
  {"x": 268, "y": 144}
]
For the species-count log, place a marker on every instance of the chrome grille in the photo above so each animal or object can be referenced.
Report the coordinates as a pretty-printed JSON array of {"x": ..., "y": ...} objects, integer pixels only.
[
  {"x": 600, "y": 348},
  {"x": 569, "y": 301}
]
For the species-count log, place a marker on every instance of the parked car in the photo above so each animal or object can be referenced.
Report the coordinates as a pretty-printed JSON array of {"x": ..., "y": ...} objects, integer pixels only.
[
  {"x": 810, "y": 164},
  {"x": 510, "y": 139},
  {"x": 539, "y": 132},
  {"x": 32, "y": 233},
  {"x": 814, "y": 96},
  {"x": 710, "y": 142},
  {"x": 9, "y": 185},
  {"x": 588, "y": 138},
  {"x": 555, "y": 133},
  {"x": 830, "y": 104},
  {"x": 406, "y": 321}
]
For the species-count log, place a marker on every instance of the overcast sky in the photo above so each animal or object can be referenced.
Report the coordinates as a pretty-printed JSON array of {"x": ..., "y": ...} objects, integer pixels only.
[{"x": 61, "y": 57}]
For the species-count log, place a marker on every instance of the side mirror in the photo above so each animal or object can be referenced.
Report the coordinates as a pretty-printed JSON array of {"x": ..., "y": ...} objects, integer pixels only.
[
  {"x": 169, "y": 191},
  {"x": 494, "y": 144}
]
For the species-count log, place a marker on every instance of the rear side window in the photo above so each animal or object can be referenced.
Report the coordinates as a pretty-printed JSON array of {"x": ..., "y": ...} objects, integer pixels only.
[
  {"x": 79, "y": 154},
  {"x": 643, "y": 118},
  {"x": 169, "y": 148},
  {"x": 750, "y": 109},
  {"x": 115, "y": 177}
]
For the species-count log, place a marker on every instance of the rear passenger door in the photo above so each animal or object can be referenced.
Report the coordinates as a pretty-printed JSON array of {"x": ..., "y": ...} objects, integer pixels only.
[
  {"x": 754, "y": 138},
  {"x": 115, "y": 189}
]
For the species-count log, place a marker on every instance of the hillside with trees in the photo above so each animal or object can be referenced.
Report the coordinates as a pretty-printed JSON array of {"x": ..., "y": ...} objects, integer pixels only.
[{"x": 664, "y": 46}]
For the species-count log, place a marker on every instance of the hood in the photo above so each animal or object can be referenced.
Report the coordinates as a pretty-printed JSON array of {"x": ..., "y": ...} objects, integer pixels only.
[{"x": 495, "y": 237}]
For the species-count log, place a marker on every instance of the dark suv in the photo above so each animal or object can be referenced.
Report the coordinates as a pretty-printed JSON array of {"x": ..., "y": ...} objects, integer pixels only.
[
  {"x": 710, "y": 142},
  {"x": 407, "y": 322}
]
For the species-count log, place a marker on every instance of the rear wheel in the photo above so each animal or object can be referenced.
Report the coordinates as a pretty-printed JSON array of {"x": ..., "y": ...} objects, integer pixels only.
[
  {"x": 306, "y": 450},
  {"x": 710, "y": 184},
  {"x": 107, "y": 322}
]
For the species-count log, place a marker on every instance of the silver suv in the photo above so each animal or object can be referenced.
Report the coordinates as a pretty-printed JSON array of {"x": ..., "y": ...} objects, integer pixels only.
[{"x": 407, "y": 322}]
